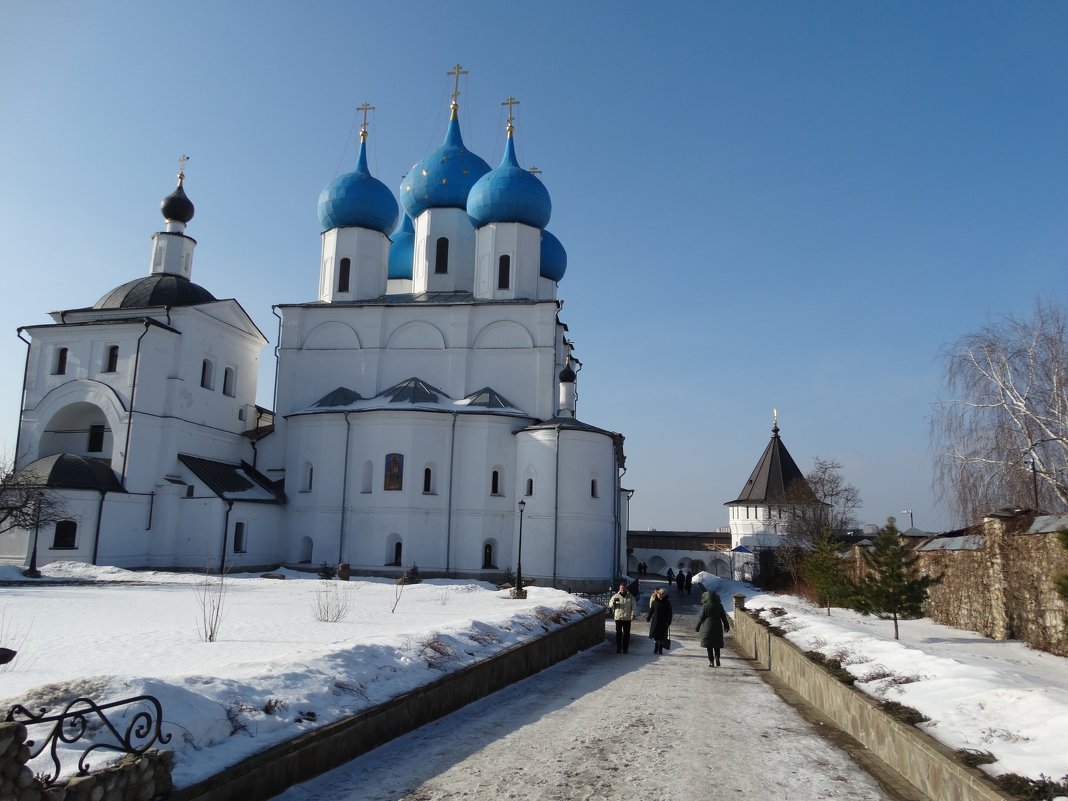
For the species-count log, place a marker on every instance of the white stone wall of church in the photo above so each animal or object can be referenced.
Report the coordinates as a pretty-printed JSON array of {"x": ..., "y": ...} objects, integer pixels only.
[
  {"x": 367, "y": 251},
  {"x": 516, "y": 350},
  {"x": 454, "y": 225},
  {"x": 522, "y": 244}
]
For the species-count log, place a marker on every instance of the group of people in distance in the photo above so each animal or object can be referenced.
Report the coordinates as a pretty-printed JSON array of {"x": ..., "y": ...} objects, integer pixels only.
[
  {"x": 683, "y": 580},
  {"x": 712, "y": 624}
]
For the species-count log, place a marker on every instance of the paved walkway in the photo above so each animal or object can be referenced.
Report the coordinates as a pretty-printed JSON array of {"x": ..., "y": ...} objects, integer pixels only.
[{"x": 608, "y": 726}]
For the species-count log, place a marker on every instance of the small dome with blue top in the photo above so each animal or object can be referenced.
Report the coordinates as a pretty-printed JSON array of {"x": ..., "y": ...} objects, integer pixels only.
[
  {"x": 402, "y": 250},
  {"x": 553, "y": 257},
  {"x": 358, "y": 199},
  {"x": 445, "y": 177}
]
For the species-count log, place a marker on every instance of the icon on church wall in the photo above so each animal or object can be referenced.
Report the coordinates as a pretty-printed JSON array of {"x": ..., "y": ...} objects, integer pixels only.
[{"x": 394, "y": 471}]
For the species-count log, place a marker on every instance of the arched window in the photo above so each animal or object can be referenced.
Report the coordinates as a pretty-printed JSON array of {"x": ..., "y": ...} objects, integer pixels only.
[
  {"x": 441, "y": 258},
  {"x": 593, "y": 488},
  {"x": 487, "y": 555},
  {"x": 504, "y": 272},
  {"x": 111, "y": 361},
  {"x": 229, "y": 380},
  {"x": 307, "y": 477},
  {"x": 495, "y": 483},
  {"x": 530, "y": 487},
  {"x": 207, "y": 374},
  {"x": 428, "y": 481},
  {"x": 59, "y": 366},
  {"x": 239, "y": 538},
  {"x": 66, "y": 534},
  {"x": 397, "y": 549},
  {"x": 343, "y": 275}
]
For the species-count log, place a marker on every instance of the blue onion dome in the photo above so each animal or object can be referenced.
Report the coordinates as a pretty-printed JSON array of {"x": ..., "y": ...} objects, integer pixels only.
[
  {"x": 402, "y": 250},
  {"x": 445, "y": 177},
  {"x": 177, "y": 207},
  {"x": 553, "y": 257},
  {"x": 509, "y": 194},
  {"x": 358, "y": 199}
]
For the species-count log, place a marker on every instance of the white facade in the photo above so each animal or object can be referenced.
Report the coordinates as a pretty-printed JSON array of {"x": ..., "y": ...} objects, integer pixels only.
[{"x": 411, "y": 415}]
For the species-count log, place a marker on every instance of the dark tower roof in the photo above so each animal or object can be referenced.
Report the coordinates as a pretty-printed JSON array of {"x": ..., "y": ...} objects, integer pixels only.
[
  {"x": 776, "y": 479},
  {"x": 158, "y": 289},
  {"x": 71, "y": 471}
]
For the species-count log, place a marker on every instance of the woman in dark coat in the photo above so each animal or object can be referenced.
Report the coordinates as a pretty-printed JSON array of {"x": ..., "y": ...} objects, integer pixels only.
[
  {"x": 659, "y": 618},
  {"x": 712, "y": 623}
]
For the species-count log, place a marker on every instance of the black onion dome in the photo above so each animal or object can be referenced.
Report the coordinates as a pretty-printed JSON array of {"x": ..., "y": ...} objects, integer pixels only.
[
  {"x": 177, "y": 206},
  {"x": 158, "y": 289},
  {"x": 567, "y": 375}
]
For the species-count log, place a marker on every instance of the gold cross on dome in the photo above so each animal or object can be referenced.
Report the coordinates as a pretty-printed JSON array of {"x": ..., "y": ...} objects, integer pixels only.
[
  {"x": 456, "y": 72},
  {"x": 511, "y": 101},
  {"x": 181, "y": 165},
  {"x": 363, "y": 128}
]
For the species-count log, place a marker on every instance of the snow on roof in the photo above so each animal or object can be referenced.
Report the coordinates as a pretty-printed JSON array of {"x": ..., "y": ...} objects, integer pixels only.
[{"x": 968, "y": 542}]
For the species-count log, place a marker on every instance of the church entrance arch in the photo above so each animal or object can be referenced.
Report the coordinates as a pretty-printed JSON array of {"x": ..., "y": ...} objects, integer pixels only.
[{"x": 80, "y": 428}]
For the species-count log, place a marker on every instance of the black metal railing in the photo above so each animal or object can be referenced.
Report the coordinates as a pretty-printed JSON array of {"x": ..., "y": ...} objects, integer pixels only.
[{"x": 84, "y": 719}]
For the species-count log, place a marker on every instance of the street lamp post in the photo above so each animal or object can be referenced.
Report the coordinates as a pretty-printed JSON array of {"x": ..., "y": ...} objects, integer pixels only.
[
  {"x": 909, "y": 513},
  {"x": 518, "y": 591},
  {"x": 33, "y": 572}
]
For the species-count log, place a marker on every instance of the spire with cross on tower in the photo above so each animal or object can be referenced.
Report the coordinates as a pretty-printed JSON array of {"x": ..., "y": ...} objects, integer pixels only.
[
  {"x": 363, "y": 126},
  {"x": 456, "y": 72}
]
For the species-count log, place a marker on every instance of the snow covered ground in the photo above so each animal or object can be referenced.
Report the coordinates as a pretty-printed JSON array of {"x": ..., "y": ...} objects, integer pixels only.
[
  {"x": 989, "y": 695},
  {"x": 122, "y": 633}
]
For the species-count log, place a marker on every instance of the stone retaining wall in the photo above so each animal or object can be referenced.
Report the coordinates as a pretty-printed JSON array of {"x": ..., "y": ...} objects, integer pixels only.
[
  {"x": 133, "y": 778},
  {"x": 925, "y": 763},
  {"x": 267, "y": 774}
]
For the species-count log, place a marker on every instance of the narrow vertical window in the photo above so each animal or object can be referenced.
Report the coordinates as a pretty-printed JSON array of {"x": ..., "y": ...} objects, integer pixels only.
[
  {"x": 343, "y": 275},
  {"x": 239, "y": 537},
  {"x": 504, "y": 272},
  {"x": 441, "y": 258},
  {"x": 593, "y": 488},
  {"x": 495, "y": 483},
  {"x": 487, "y": 555},
  {"x": 428, "y": 480},
  {"x": 530, "y": 487},
  {"x": 397, "y": 553},
  {"x": 207, "y": 374},
  {"x": 66, "y": 534},
  {"x": 111, "y": 362},
  {"x": 59, "y": 367},
  {"x": 229, "y": 382},
  {"x": 96, "y": 439},
  {"x": 307, "y": 477}
]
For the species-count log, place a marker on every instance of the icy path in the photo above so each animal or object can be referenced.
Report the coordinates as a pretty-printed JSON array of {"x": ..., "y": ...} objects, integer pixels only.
[{"x": 608, "y": 726}]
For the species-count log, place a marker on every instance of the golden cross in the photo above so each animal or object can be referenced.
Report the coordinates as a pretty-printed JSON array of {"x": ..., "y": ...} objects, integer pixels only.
[
  {"x": 363, "y": 128},
  {"x": 534, "y": 171},
  {"x": 456, "y": 71},
  {"x": 181, "y": 163},
  {"x": 511, "y": 101}
]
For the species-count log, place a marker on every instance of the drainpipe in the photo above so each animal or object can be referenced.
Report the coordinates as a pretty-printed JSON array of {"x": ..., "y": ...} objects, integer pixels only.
[
  {"x": 344, "y": 493},
  {"x": 133, "y": 391},
  {"x": 448, "y": 511},
  {"x": 556, "y": 502},
  {"x": 277, "y": 347},
  {"x": 151, "y": 509},
  {"x": 619, "y": 523},
  {"x": 226, "y": 531},
  {"x": 25, "y": 373},
  {"x": 99, "y": 515}
]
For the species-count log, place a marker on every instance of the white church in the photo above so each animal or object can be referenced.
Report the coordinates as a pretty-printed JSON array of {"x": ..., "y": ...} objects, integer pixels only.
[{"x": 424, "y": 408}]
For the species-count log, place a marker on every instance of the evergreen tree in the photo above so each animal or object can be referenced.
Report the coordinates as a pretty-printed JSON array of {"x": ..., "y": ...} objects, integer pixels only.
[
  {"x": 892, "y": 587},
  {"x": 823, "y": 569}
]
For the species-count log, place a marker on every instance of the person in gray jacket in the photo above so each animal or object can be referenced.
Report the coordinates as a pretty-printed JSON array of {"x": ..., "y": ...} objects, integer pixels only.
[
  {"x": 622, "y": 605},
  {"x": 712, "y": 624}
]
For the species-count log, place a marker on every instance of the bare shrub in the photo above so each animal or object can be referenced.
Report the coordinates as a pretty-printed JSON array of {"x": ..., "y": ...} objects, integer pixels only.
[
  {"x": 210, "y": 593},
  {"x": 848, "y": 654},
  {"x": 483, "y": 635},
  {"x": 238, "y": 712},
  {"x": 332, "y": 605},
  {"x": 275, "y": 705},
  {"x": 435, "y": 652},
  {"x": 353, "y": 688},
  {"x": 973, "y": 757},
  {"x": 443, "y": 596}
]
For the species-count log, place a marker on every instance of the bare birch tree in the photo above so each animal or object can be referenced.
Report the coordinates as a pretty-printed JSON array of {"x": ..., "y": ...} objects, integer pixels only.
[
  {"x": 25, "y": 503},
  {"x": 1001, "y": 437}
]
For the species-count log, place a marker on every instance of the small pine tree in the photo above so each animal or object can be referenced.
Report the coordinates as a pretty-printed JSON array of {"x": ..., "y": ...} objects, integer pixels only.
[
  {"x": 892, "y": 587},
  {"x": 823, "y": 569}
]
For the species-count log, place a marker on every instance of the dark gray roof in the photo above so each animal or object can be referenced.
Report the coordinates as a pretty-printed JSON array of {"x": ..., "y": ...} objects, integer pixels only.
[
  {"x": 421, "y": 298},
  {"x": 342, "y": 396},
  {"x": 489, "y": 398},
  {"x": 158, "y": 289},
  {"x": 574, "y": 424},
  {"x": 776, "y": 479},
  {"x": 413, "y": 390},
  {"x": 71, "y": 471},
  {"x": 233, "y": 482}
]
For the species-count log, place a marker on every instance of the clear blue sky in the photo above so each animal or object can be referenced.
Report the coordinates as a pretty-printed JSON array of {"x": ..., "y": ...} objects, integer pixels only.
[{"x": 764, "y": 204}]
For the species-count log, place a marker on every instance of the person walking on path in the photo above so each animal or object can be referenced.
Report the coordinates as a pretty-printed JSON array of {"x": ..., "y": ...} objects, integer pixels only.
[
  {"x": 670, "y": 576},
  {"x": 689, "y": 581},
  {"x": 622, "y": 605},
  {"x": 659, "y": 618},
  {"x": 712, "y": 624},
  {"x": 680, "y": 581}
]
